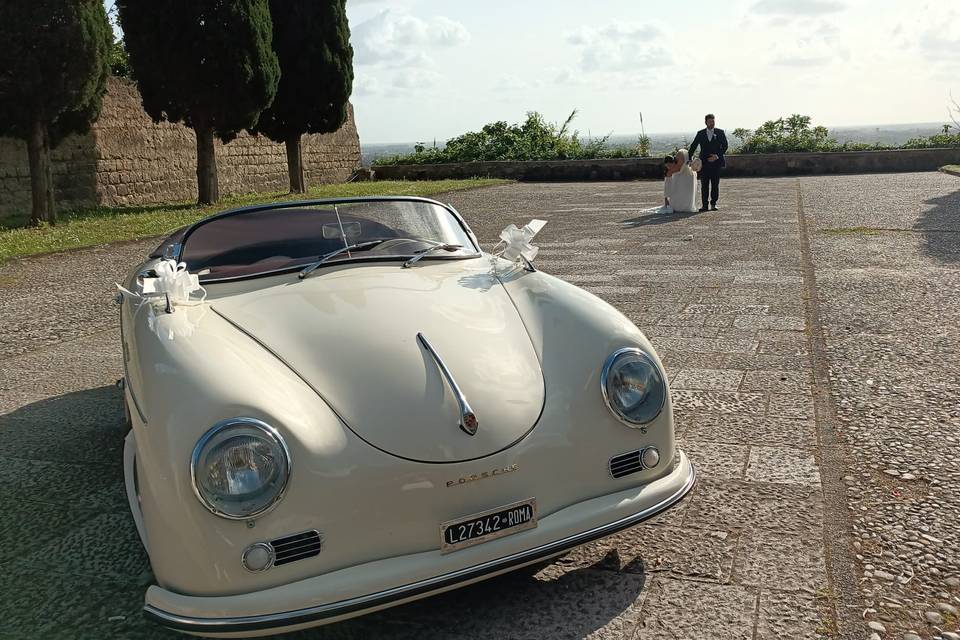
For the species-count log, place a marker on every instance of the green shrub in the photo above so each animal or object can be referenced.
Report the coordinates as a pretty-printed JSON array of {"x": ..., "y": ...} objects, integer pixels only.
[
  {"x": 119, "y": 60},
  {"x": 785, "y": 135},
  {"x": 795, "y": 134},
  {"x": 534, "y": 139},
  {"x": 939, "y": 140}
]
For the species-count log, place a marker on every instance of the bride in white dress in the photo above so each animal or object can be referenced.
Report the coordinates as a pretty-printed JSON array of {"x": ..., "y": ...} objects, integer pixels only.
[{"x": 680, "y": 185}]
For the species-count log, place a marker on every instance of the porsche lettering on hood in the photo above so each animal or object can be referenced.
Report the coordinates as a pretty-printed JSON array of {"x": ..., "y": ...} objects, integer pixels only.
[
  {"x": 351, "y": 333},
  {"x": 483, "y": 475}
]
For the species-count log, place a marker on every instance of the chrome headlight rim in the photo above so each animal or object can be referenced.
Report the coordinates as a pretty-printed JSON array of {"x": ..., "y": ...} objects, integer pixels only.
[
  {"x": 268, "y": 431},
  {"x": 605, "y": 374}
]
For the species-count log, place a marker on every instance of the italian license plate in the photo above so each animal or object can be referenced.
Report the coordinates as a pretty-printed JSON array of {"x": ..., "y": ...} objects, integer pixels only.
[{"x": 488, "y": 525}]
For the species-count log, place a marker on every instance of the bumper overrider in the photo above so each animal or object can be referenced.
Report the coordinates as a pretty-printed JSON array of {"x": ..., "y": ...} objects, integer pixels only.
[{"x": 361, "y": 589}]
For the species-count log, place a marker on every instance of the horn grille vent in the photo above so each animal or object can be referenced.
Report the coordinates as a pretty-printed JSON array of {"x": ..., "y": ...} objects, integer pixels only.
[
  {"x": 625, "y": 464},
  {"x": 296, "y": 547}
]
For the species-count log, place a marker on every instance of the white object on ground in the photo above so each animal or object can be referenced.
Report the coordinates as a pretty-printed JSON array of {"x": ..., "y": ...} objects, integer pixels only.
[{"x": 664, "y": 209}]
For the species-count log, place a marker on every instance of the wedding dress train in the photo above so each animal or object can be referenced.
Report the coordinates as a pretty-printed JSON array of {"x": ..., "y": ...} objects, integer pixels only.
[{"x": 680, "y": 189}]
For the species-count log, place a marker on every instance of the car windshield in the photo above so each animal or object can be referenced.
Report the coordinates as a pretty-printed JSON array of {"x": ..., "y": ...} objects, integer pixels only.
[{"x": 281, "y": 238}]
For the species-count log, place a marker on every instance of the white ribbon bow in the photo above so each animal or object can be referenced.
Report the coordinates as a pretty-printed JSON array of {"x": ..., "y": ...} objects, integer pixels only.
[
  {"x": 174, "y": 280},
  {"x": 517, "y": 241},
  {"x": 175, "y": 283}
]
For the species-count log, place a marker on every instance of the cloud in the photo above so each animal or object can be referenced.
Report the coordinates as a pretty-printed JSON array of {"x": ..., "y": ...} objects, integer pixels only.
[
  {"x": 932, "y": 36},
  {"x": 620, "y": 47},
  {"x": 610, "y": 82},
  {"x": 414, "y": 79},
  {"x": 615, "y": 31},
  {"x": 512, "y": 83},
  {"x": 800, "y": 60},
  {"x": 798, "y": 7},
  {"x": 364, "y": 85},
  {"x": 808, "y": 53},
  {"x": 570, "y": 78},
  {"x": 397, "y": 38},
  {"x": 940, "y": 42},
  {"x": 828, "y": 30},
  {"x": 736, "y": 80}
]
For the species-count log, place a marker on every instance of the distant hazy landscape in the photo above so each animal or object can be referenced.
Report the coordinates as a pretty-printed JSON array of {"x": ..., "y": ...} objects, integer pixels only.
[{"x": 891, "y": 134}]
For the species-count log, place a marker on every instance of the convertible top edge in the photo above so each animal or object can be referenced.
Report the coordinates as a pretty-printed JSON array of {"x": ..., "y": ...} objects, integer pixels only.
[{"x": 173, "y": 242}]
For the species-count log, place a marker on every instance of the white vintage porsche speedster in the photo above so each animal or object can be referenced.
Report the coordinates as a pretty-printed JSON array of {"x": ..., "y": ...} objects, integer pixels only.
[{"x": 338, "y": 406}]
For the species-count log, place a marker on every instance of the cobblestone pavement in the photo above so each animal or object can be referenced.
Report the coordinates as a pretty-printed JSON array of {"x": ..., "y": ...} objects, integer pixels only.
[
  {"x": 888, "y": 274},
  {"x": 813, "y": 366}
]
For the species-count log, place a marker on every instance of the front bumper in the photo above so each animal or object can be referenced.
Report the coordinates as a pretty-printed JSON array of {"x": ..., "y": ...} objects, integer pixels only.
[{"x": 357, "y": 590}]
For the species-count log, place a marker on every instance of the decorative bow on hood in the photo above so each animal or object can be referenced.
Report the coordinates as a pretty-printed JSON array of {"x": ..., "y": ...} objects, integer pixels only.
[
  {"x": 172, "y": 286},
  {"x": 517, "y": 241}
]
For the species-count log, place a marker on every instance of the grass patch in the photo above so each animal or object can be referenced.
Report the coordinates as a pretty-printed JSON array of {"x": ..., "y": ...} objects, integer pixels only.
[
  {"x": 861, "y": 231},
  {"x": 951, "y": 168},
  {"x": 101, "y": 225}
]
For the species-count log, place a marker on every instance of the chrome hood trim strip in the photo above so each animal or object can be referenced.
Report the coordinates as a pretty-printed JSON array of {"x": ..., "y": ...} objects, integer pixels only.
[{"x": 468, "y": 419}]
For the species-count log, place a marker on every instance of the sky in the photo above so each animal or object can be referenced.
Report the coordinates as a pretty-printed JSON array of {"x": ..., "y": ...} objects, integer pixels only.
[{"x": 433, "y": 69}]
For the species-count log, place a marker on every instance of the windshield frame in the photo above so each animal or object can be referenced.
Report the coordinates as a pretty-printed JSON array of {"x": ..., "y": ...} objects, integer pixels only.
[{"x": 174, "y": 245}]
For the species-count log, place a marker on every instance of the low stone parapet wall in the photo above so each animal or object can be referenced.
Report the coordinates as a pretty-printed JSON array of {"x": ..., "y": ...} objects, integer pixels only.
[{"x": 753, "y": 165}]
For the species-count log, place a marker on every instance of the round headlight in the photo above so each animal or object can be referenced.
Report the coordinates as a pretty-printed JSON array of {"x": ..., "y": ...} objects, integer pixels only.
[
  {"x": 240, "y": 468},
  {"x": 633, "y": 386}
]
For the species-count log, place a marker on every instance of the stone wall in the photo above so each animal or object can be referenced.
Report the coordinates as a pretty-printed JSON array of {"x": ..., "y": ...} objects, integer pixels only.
[
  {"x": 127, "y": 159},
  {"x": 759, "y": 165}
]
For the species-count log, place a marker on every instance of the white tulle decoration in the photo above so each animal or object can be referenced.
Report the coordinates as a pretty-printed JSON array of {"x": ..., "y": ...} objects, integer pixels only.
[
  {"x": 517, "y": 241},
  {"x": 174, "y": 280},
  {"x": 173, "y": 286}
]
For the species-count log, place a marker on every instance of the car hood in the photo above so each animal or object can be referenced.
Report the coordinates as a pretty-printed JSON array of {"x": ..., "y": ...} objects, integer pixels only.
[{"x": 351, "y": 333}]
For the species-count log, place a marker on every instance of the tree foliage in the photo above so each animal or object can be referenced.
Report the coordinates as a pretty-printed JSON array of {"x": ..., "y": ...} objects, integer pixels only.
[
  {"x": 534, "y": 139},
  {"x": 795, "y": 134},
  {"x": 203, "y": 62},
  {"x": 206, "y": 63},
  {"x": 785, "y": 135},
  {"x": 312, "y": 41},
  {"x": 53, "y": 65},
  {"x": 53, "y": 72},
  {"x": 120, "y": 60},
  {"x": 947, "y": 139}
]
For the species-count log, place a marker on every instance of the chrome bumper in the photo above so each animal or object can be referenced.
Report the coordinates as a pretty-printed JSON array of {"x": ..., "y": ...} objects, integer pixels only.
[{"x": 258, "y": 624}]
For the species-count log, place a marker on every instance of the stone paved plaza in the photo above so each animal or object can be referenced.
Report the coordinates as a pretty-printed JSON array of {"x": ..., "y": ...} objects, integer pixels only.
[{"x": 810, "y": 334}]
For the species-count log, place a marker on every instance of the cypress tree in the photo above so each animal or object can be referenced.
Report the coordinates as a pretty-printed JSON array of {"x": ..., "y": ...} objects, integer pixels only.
[
  {"x": 53, "y": 74},
  {"x": 206, "y": 63},
  {"x": 312, "y": 41}
]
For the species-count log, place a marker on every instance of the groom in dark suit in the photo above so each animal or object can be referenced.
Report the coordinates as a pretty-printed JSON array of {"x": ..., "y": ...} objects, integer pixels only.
[{"x": 713, "y": 146}]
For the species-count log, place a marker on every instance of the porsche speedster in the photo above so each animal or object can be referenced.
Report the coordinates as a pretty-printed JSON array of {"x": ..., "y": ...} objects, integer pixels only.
[{"x": 342, "y": 405}]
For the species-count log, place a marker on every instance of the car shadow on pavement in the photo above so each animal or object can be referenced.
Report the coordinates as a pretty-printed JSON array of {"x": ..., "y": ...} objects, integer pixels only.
[
  {"x": 939, "y": 225},
  {"x": 81, "y": 427},
  {"x": 70, "y": 548},
  {"x": 651, "y": 219},
  {"x": 72, "y": 564},
  {"x": 538, "y": 602}
]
